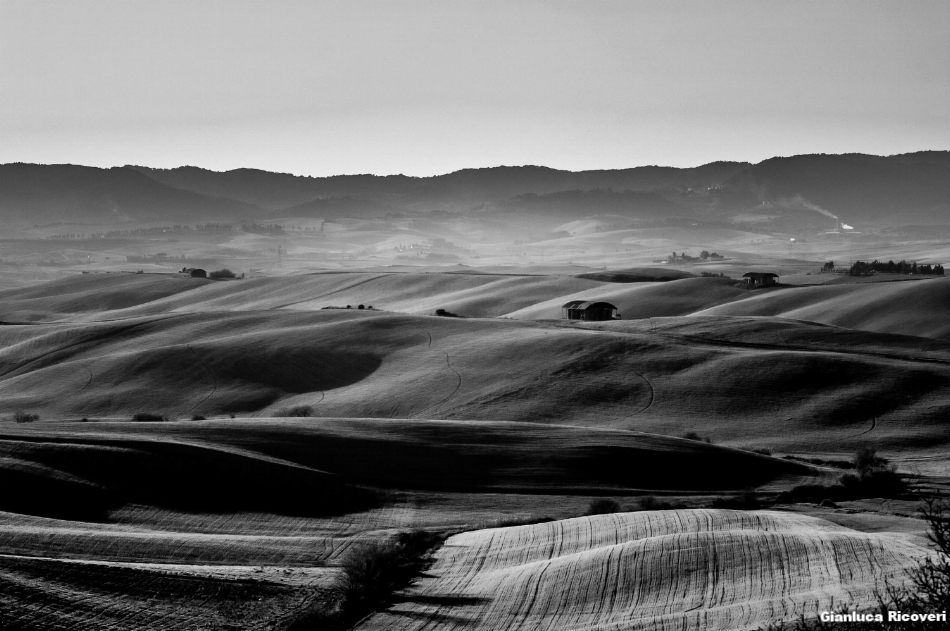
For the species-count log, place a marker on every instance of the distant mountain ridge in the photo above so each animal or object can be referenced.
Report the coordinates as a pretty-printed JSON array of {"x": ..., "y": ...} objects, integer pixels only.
[
  {"x": 37, "y": 193},
  {"x": 909, "y": 188},
  {"x": 868, "y": 187},
  {"x": 461, "y": 188}
]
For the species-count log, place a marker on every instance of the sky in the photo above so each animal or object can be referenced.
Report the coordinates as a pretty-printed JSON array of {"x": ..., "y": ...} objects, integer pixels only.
[{"x": 427, "y": 87}]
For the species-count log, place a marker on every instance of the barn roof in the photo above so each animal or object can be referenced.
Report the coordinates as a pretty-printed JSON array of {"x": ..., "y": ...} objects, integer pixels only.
[
  {"x": 759, "y": 275},
  {"x": 581, "y": 304}
]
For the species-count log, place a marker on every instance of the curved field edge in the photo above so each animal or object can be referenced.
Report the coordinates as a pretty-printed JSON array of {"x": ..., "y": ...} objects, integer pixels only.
[{"x": 662, "y": 570}]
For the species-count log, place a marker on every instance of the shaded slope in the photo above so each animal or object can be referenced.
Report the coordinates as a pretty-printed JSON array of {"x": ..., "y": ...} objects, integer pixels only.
[
  {"x": 457, "y": 456},
  {"x": 161, "y": 472},
  {"x": 684, "y": 570},
  {"x": 914, "y": 308}
]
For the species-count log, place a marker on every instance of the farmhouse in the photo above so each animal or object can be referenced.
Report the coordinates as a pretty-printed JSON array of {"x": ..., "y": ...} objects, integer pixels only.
[
  {"x": 760, "y": 279},
  {"x": 591, "y": 311}
]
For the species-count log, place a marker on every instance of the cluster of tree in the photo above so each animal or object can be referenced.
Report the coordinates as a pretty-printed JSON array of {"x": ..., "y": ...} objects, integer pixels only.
[
  {"x": 680, "y": 257},
  {"x": 712, "y": 256},
  {"x": 147, "y": 232},
  {"x": 161, "y": 258},
  {"x": 257, "y": 228},
  {"x": 446, "y": 245},
  {"x": 861, "y": 268}
]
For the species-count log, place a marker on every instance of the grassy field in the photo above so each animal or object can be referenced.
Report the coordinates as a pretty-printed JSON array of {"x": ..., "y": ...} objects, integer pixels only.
[
  {"x": 661, "y": 570},
  {"x": 327, "y": 429}
]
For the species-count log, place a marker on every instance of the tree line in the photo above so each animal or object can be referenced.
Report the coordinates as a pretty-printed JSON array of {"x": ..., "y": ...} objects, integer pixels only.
[{"x": 862, "y": 268}]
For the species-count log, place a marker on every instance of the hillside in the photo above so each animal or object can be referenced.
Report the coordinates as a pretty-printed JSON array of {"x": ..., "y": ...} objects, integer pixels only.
[
  {"x": 860, "y": 187},
  {"x": 665, "y": 375},
  {"x": 658, "y": 571},
  {"x": 895, "y": 307},
  {"x": 35, "y": 193}
]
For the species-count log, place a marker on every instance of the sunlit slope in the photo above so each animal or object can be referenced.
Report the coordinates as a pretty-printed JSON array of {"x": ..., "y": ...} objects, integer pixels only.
[
  {"x": 702, "y": 570},
  {"x": 742, "y": 381},
  {"x": 87, "y": 294},
  {"x": 644, "y": 300},
  {"x": 910, "y": 308},
  {"x": 473, "y": 295}
]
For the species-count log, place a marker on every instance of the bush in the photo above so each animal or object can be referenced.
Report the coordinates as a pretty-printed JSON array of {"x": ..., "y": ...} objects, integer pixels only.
[
  {"x": 372, "y": 573},
  {"x": 697, "y": 437},
  {"x": 649, "y": 502},
  {"x": 198, "y": 417},
  {"x": 603, "y": 506},
  {"x": 874, "y": 478},
  {"x": 24, "y": 417},
  {"x": 745, "y": 501},
  {"x": 221, "y": 273},
  {"x": 445, "y": 314},
  {"x": 297, "y": 411},
  {"x": 147, "y": 417}
]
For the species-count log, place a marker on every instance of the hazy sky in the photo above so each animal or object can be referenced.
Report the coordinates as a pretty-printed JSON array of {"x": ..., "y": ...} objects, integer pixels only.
[{"x": 320, "y": 88}]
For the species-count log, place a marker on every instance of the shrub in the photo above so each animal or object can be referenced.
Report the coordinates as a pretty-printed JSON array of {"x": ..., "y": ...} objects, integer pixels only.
[
  {"x": 297, "y": 411},
  {"x": 371, "y": 574},
  {"x": 697, "y": 437},
  {"x": 874, "y": 478},
  {"x": 445, "y": 314},
  {"x": 198, "y": 417},
  {"x": 764, "y": 451},
  {"x": 148, "y": 417},
  {"x": 25, "y": 417},
  {"x": 603, "y": 506},
  {"x": 745, "y": 501},
  {"x": 221, "y": 273},
  {"x": 361, "y": 306}
]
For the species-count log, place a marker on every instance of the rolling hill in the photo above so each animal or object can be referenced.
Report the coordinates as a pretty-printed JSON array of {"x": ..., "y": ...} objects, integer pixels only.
[
  {"x": 256, "y": 347},
  {"x": 686, "y": 570},
  {"x": 896, "y": 307}
]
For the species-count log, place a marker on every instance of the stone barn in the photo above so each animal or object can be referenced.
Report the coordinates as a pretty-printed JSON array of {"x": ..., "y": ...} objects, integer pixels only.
[
  {"x": 760, "y": 279},
  {"x": 590, "y": 311}
]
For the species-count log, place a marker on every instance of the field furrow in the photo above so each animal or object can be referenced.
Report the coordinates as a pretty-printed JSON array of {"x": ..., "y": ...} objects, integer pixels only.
[{"x": 661, "y": 570}]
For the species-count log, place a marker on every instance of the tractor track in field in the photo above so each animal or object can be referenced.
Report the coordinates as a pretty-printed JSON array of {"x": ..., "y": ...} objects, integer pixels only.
[
  {"x": 458, "y": 385},
  {"x": 867, "y": 431},
  {"x": 213, "y": 376},
  {"x": 803, "y": 349},
  {"x": 336, "y": 291},
  {"x": 652, "y": 393},
  {"x": 92, "y": 340},
  {"x": 439, "y": 404}
]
